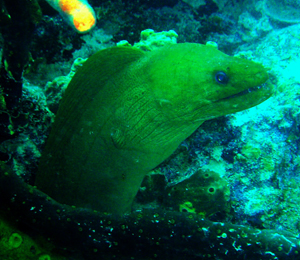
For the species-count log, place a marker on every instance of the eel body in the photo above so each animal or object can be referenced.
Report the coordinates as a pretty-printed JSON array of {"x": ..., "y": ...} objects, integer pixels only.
[{"x": 125, "y": 111}]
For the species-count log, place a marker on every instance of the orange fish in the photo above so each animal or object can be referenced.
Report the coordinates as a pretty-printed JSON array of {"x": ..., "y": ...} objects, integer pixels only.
[{"x": 78, "y": 13}]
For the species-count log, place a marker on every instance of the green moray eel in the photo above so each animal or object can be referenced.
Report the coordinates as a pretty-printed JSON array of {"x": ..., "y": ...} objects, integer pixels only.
[{"x": 125, "y": 111}]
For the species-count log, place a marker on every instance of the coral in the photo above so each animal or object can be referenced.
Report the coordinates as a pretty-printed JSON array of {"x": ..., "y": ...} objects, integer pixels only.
[
  {"x": 287, "y": 11},
  {"x": 205, "y": 193},
  {"x": 2, "y": 103},
  {"x": 187, "y": 207},
  {"x": 195, "y": 3},
  {"x": 222, "y": 3},
  {"x": 28, "y": 129},
  {"x": 17, "y": 29},
  {"x": 95, "y": 41},
  {"x": 55, "y": 89},
  {"x": 267, "y": 160},
  {"x": 253, "y": 28},
  {"x": 44, "y": 257},
  {"x": 151, "y": 40},
  {"x": 15, "y": 244},
  {"x": 141, "y": 234},
  {"x": 14, "y": 241}
]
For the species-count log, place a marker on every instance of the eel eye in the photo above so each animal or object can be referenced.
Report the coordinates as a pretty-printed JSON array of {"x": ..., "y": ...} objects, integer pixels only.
[{"x": 221, "y": 77}]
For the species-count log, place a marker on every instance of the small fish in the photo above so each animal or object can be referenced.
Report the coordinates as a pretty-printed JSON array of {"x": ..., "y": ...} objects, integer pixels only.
[{"x": 77, "y": 13}]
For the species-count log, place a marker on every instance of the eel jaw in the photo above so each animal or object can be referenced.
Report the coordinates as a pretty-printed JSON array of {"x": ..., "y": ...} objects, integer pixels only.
[
  {"x": 240, "y": 101},
  {"x": 265, "y": 86}
]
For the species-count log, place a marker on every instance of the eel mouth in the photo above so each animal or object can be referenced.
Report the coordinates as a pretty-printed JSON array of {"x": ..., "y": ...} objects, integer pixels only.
[{"x": 263, "y": 87}]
